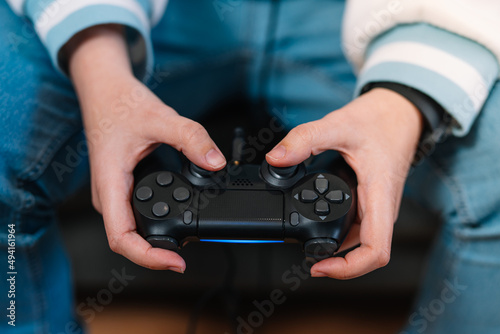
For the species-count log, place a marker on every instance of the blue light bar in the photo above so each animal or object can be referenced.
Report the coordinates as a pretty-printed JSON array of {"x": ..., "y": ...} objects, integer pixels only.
[{"x": 236, "y": 241}]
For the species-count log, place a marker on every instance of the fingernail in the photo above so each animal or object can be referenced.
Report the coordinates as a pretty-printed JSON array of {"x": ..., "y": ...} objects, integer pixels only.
[
  {"x": 318, "y": 274},
  {"x": 277, "y": 153},
  {"x": 215, "y": 159},
  {"x": 176, "y": 269}
]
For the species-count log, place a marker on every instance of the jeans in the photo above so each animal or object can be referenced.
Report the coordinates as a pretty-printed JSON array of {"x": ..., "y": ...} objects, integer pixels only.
[
  {"x": 461, "y": 180},
  {"x": 288, "y": 55}
]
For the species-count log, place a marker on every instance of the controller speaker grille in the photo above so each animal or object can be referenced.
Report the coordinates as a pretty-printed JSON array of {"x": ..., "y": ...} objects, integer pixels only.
[{"x": 242, "y": 183}]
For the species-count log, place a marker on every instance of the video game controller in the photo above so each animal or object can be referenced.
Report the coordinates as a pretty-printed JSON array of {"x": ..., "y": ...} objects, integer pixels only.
[{"x": 245, "y": 203}]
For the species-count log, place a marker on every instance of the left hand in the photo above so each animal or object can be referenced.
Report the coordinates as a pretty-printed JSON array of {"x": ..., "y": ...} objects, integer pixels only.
[{"x": 377, "y": 134}]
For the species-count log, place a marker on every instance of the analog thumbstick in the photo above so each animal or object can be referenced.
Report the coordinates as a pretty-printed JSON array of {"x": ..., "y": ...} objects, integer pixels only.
[
  {"x": 282, "y": 177},
  {"x": 282, "y": 172},
  {"x": 199, "y": 172}
]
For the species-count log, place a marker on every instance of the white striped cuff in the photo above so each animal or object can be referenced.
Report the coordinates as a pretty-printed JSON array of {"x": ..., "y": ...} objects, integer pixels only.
[{"x": 455, "y": 72}]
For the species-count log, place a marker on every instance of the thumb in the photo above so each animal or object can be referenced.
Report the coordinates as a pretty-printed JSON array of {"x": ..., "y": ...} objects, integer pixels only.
[
  {"x": 193, "y": 141},
  {"x": 304, "y": 140}
]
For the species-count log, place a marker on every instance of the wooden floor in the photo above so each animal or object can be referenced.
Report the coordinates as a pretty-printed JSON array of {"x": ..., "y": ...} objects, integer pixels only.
[{"x": 374, "y": 316}]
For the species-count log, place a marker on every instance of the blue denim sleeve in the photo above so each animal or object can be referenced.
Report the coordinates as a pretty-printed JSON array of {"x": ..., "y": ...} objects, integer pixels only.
[
  {"x": 456, "y": 72},
  {"x": 56, "y": 21}
]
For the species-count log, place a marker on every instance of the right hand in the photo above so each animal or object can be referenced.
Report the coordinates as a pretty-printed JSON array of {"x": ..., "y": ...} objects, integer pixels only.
[
  {"x": 120, "y": 134},
  {"x": 377, "y": 134}
]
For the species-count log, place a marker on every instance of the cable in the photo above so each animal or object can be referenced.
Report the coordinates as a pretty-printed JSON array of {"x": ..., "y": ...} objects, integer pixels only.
[{"x": 238, "y": 148}]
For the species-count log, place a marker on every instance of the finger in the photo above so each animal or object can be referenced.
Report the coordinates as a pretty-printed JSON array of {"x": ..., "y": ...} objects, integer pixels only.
[
  {"x": 375, "y": 235},
  {"x": 356, "y": 263},
  {"x": 114, "y": 188},
  {"x": 191, "y": 139},
  {"x": 352, "y": 238},
  {"x": 306, "y": 139}
]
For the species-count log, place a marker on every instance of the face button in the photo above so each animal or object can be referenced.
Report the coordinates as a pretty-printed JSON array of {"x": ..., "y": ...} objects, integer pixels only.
[
  {"x": 321, "y": 185},
  {"x": 322, "y": 208},
  {"x": 164, "y": 179},
  {"x": 335, "y": 196},
  {"x": 160, "y": 209},
  {"x": 181, "y": 194},
  {"x": 308, "y": 196},
  {"x": 144, "y": 193},
  {"x": 294, "y": 219},
  {"x": 188, "y": 217}
]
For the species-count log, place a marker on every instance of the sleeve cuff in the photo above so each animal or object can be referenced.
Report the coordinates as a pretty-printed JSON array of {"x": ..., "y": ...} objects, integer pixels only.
[
  {"x": 454, "y": 71},
  {"x": 79, "y": 15}
]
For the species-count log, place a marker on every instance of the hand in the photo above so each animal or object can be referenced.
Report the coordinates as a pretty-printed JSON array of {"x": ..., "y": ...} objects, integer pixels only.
[
  {"x": 377, "y": 134},
  {"x": 124, "y": 122}
]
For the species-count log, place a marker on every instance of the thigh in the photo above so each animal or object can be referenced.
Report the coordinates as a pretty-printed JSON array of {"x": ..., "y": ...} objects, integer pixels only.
[
  {"x": 285, "y": 53},
  {"x": 39, "y": 123},
  {"x": 39, "y": 115},
  {"x": 461, "y": 178},
  {"x": 462, "y": 181}
]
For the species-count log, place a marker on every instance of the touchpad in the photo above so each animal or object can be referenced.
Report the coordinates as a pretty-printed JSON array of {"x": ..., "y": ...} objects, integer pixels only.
[{"x": 241, "y": 214}]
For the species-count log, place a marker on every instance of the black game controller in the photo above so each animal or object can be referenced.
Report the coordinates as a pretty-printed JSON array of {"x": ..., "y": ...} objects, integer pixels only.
[{"x": 245, "y": 203}]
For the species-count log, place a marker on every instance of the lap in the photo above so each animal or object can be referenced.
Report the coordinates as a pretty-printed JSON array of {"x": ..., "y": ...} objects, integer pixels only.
[
  {"x": 39, "y": 111},
  {"x": 297, "y": 67},
  {"x": 462, "y": 177}
]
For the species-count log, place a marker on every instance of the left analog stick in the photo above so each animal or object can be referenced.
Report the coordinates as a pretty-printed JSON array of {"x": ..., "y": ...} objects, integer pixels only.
[{"x": 199, "y": 172}]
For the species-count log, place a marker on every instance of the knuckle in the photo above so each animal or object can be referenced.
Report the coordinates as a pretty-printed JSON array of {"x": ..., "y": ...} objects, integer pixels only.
[
  {"x": 96, "y": 204},
  {"x": 304, "y": 132},
  {"x": 192, "y": 131},
  {"x": 383, "y": 258},
  {"x": 114, "y": 244}
]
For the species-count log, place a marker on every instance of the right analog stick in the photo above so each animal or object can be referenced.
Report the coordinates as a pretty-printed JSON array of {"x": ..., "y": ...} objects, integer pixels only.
[
  {"x": 282, "y": 172},
  {"x": 282, "y": 177}
]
